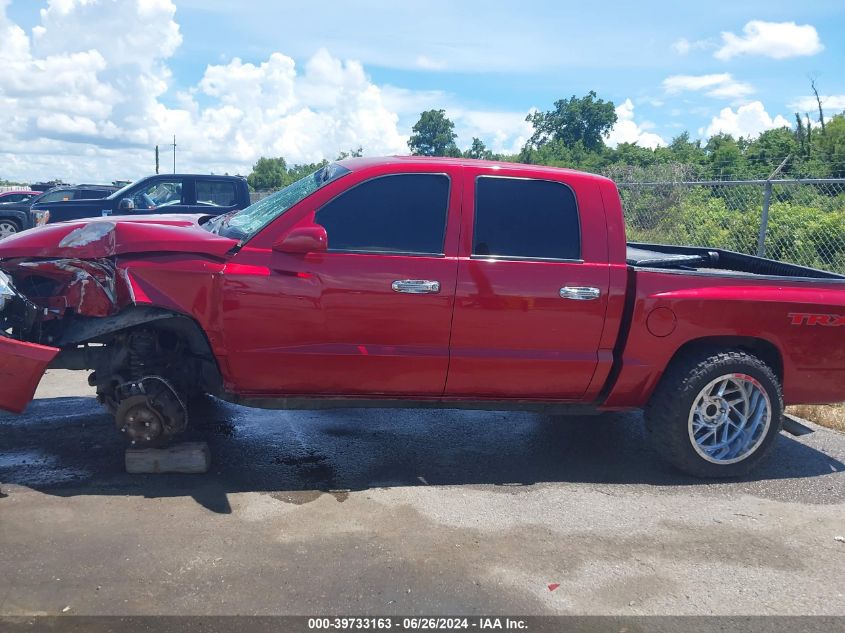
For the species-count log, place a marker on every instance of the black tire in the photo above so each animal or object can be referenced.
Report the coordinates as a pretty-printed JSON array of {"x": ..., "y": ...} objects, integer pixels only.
[
  {"x": 668, "y": 412},
  {"x": 8, "y": 227}
]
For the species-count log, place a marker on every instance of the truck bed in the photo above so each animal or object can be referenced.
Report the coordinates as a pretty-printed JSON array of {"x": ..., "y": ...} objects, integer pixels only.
[{"x": 717, "y": 261}]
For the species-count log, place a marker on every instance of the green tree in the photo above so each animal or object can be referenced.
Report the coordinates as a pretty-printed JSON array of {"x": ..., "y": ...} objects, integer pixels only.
[
  {"x": 725, "y": 158},
  {"x": 300, "y": 171},
  {"x": 586, "y": 120},
  {"x": 830, "y": 146},
  {"x": 268, "y": 173},
  {"x": 478, "y": 150},
  {"x": 434, "y": 135},
  {"x": 632, "y": 154},
  {"x": 684, "y": 150},
  {"x": 352, "y": 153},
  {"x": 767, "y": 151}
]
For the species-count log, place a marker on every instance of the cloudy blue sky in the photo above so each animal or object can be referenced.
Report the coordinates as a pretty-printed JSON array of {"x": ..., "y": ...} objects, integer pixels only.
[{"x": 88, "y": 87}]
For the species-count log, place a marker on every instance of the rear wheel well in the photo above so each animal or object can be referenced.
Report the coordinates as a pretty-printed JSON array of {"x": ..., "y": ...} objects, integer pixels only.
[{"x": 761, "y": 348}]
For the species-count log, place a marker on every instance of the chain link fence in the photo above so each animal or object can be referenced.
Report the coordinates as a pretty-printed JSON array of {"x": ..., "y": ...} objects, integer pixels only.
[{"x": 798, "y": 221}]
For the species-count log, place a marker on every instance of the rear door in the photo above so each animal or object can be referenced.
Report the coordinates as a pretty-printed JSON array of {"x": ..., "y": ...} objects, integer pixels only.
[{"x": 531, "y": 294}]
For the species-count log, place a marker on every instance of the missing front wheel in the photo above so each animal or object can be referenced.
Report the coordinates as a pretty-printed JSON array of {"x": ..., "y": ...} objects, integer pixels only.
[{"x": 149, "y": 411}]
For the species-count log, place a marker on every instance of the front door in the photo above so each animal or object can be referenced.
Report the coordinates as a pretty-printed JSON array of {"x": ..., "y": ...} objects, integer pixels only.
[
  {"x": 165, "y": 194},
  {"x": 370, "y": 316},
  {"x": 530, "y": 304}
]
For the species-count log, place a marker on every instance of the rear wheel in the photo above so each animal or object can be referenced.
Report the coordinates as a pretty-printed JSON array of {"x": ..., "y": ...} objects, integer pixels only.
[
  {"x": 8, "y": 227},
  {"x": 715, "y": 415}
]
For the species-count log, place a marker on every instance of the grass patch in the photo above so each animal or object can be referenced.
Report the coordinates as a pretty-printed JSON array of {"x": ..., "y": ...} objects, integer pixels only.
[{"x": 830, "y": 415}]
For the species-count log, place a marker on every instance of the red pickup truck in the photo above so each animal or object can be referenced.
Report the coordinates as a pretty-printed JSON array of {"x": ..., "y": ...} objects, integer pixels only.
[{"x": 419, "y": 282}]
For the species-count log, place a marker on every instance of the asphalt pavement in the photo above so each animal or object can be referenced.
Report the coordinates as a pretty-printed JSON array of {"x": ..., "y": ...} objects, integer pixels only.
[{"x": 400, "y": 512}]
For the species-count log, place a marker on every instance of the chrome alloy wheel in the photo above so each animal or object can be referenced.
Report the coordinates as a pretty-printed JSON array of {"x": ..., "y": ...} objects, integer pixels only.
[
  {"x": 729, "y": 418},
  {"x": 7, "y": 228}
]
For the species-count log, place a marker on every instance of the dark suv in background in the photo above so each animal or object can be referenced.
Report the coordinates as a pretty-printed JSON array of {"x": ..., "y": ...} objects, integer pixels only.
[
  {"x": 15, "y": 216},
  {"x": 163, "y": 193}
]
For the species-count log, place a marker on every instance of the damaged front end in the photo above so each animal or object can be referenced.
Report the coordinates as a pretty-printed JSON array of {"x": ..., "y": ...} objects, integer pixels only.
[
  {"x": 41, "y": 302},
  {"x": 73, "y": 305}
]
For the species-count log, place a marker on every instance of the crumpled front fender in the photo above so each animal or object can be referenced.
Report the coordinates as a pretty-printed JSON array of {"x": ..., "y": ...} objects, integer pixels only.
[{"x": 21, "y": 367}]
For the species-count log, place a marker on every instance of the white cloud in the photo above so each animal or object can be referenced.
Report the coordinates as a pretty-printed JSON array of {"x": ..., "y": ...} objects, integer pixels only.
[
  {"x": 747, "y": 120},
  {"x": 626, "y": 130},
  {"x": 719, "y": 85},
  {"x": 502, "y": 132},
  {"x": 81, "y": 106},
  {"x": 427, "y": 63},
  {"x": 832, "y": 104},
  {"x": 778, "y": 40},
  {"x": 683, "y": 46}
]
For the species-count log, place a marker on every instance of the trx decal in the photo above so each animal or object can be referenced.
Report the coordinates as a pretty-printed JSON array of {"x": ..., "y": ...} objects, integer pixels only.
[{"x": 806, "y": 318}]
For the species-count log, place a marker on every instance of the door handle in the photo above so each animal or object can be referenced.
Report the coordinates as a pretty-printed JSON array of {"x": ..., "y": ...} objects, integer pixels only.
[
  {"x": 580, "y": 293},
  {"x": 416, "y": 286}
]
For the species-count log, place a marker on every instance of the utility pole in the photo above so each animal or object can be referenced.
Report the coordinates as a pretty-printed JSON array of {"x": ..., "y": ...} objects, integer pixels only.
[
  {"x": 767, "y": 200},
  {"x": 156, "y": 159},
  {"x": 174, "y": 153}
]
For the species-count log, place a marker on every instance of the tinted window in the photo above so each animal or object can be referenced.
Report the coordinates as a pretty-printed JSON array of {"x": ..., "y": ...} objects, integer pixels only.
[
  {"x": 57, "y": 196},
  {"x": 218, "y": 193},
  {"x": 158, "y": 193},
  {"x": 90, "y": 194},
  {"x": 405, "y": 213},
  {"x": 525, "y": 218}
]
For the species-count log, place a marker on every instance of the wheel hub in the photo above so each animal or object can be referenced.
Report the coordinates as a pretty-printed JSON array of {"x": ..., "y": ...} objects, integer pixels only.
[
  {"x": 714, "y": 411},
  {"x": 729, "y": 418},
  {"x": 141, "y": 423}
]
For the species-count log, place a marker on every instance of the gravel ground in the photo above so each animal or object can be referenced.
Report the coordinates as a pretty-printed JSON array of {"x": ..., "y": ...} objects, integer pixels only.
[{"x": 398, "y": 512}]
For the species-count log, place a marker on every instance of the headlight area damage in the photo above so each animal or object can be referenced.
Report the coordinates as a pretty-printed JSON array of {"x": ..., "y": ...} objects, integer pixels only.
[{"x": 70, "y": 298}]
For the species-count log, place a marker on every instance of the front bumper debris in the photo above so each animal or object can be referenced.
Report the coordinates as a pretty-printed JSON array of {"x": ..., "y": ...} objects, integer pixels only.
[{"x": 21, "y": 367}]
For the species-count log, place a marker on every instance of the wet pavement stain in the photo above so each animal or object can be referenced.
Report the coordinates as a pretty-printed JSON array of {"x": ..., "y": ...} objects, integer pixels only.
[
  {"x": 297, "y": 497},
  {"x": 311, "y": 458},
  {"x": 223, "y": 428}
]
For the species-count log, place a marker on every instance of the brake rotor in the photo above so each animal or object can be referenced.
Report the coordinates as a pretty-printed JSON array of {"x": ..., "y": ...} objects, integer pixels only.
[{"x": 139, "y": 421}]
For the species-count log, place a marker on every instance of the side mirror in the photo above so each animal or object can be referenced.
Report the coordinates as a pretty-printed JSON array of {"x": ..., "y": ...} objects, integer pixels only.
[
  {"x": 126, "y": 204},
  {"x": 304, "y": 239}
]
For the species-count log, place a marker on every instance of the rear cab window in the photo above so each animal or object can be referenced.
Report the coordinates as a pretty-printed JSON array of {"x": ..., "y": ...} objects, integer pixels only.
[
  {"x": 90, "y": 194},
  {"x": 57, "y": 196},
  {"x": 216, "y": 193},
  {"x": 525, "y": 218}
]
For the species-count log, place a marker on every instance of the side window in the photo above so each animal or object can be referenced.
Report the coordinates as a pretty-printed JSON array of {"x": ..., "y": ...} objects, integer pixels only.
[
  {"x": 402, "y": 213},
  {"x": 13, "y": 197},
  {"x": 525, "y": 218},
  {"x": 57, "y": 196},
  {"x": 88, "y": 194},
  {"x": 161, "y": 193},
  {"x": 217, "y": 193}
]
